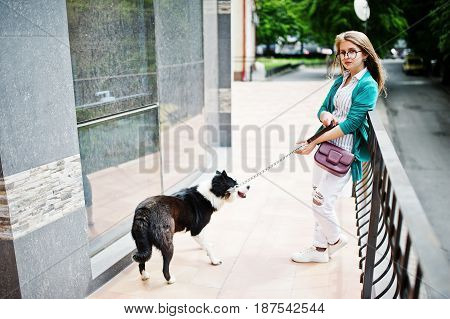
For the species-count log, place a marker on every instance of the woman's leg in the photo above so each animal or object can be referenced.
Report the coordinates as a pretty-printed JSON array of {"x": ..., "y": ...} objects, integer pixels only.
[
  {"x": 324, "y": 198},
  {"x": 319, "y": 239},
  {"x": 326, "y": 188},
  {"x": 312, "y": 254},
  {"x": 317, "y": 176}
]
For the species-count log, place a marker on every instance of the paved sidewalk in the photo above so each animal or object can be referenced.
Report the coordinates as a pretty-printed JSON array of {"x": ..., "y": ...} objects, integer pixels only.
[{"x": 256, "y": 236}]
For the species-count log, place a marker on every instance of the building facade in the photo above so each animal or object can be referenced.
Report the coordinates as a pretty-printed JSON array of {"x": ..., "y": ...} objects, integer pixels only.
[
  {"x": 99, "y": 102},
  {"x": 243, "y": 28}
]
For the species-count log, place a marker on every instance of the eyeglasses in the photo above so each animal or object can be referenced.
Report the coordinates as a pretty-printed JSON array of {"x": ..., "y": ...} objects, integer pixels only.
[{"x": 351, "y": 54}]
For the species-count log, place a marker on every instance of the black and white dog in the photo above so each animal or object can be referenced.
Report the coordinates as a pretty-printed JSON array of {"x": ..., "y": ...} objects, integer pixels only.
[{"x": 157, "y": 218}]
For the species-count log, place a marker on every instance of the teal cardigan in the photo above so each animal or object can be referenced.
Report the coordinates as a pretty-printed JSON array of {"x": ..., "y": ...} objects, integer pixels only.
[{"x": 364, "y": 99}]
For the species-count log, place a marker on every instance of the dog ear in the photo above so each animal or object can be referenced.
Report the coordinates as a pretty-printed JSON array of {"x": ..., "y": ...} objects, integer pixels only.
[
  {"x": 224, "y": 173},
  {"x": 218, "y": 173}
]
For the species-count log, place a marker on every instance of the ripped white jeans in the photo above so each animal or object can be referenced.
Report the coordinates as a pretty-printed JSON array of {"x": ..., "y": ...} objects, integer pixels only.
[{"x": 326, "y": 188}]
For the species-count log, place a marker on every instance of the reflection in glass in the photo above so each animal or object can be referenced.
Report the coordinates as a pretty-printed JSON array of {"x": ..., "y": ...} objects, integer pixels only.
[
  {"x": 120, "y": 165},
  {"x": 112, "y": 46},
  {"x": 181, "y": 88},
  {"x": 113, "y": 56}
]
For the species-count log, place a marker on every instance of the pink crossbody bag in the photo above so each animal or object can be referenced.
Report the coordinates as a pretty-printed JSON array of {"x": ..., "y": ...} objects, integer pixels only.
[{"x": 330, "y": 157}]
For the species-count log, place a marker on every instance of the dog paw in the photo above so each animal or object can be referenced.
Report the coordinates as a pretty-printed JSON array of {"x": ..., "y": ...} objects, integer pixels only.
[
  {"x": 145, "y": 275},
  {"x": 172, "y": 280},
  {"x": 216, "y": 262}
]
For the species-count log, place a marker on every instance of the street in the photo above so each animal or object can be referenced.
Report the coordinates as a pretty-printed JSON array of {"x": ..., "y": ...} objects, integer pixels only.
[{"x": 417, "y": 118}]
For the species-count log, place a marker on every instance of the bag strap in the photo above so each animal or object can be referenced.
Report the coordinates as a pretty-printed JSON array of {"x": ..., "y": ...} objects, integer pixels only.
[{"x": 321, "y": 132}]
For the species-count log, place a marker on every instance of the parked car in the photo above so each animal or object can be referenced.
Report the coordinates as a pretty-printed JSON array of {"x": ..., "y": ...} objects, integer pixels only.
[{"x": 413, "y": 64}]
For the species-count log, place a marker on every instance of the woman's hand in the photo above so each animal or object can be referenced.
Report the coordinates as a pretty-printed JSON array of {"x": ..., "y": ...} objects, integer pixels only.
[
  {"x": 307, "y": 149},
  {"x": 327, "y": 118}
]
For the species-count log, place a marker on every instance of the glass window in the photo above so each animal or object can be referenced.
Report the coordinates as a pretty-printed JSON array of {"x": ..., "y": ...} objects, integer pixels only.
[
  {"x": 113, "y": 56},
  {"x": 120, "y": 165},
  {"x": 112, "y": 46},
  {"x": 181, "y": 89}
]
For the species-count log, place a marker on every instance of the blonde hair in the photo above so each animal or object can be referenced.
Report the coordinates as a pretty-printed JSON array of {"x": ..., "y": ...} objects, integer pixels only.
[{"x": 372, "y": 61}]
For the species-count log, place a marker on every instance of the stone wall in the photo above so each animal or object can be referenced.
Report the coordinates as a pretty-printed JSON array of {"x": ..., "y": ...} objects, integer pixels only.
[
  {"x": 43, "y": 228},
  {"x": 34, "y": 198}
]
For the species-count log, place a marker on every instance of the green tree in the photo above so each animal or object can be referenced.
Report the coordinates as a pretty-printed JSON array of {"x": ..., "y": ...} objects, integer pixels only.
[
  {"x": 321, "y": 21},
  {"x": 279, "y": 19},
  {"x": 428, "y": 35},
  {"x": 440, "y": 25},
  {"x": 387, "y": 23},
  {"x": 419, "y": 37},
  {"x": 329, "y": 18}
]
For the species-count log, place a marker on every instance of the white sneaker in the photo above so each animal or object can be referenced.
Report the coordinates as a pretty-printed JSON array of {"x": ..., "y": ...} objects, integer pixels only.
[
  {"x": 311, "y": 255},
  {"x": 332, "y": 249}
]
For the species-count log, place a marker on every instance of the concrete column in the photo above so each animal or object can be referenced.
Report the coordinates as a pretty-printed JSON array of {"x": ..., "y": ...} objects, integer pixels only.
[
  {"x": 211, "y": 67},
  {"x": 224, "y": 49},
  {"x": 43, "y": 228}
]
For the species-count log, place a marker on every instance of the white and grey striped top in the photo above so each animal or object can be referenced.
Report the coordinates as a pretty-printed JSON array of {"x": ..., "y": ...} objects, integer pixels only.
[{"x": 342, "y": 102}]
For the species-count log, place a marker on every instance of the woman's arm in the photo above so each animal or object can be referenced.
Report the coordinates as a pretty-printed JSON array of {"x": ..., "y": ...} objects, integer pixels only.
[
  {"x": 330, "y": 135},
  {"x": 364, "y": 102}
]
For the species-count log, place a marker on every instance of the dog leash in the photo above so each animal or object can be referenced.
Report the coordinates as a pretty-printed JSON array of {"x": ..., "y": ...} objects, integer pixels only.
[{"x": 323, "y": 131}]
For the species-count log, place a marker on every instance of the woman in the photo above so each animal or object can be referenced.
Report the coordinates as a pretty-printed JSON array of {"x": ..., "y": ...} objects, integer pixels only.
[{"x": 352, "y": 96}]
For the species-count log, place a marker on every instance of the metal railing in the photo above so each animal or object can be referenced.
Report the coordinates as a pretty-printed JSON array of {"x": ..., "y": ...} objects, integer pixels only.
[
  {"x": 281, "y": 68},
  {"x": 400, "y": 256}
]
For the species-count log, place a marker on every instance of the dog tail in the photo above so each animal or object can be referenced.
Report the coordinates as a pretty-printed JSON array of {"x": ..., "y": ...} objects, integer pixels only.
[{"x": 141, "y": 257}]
